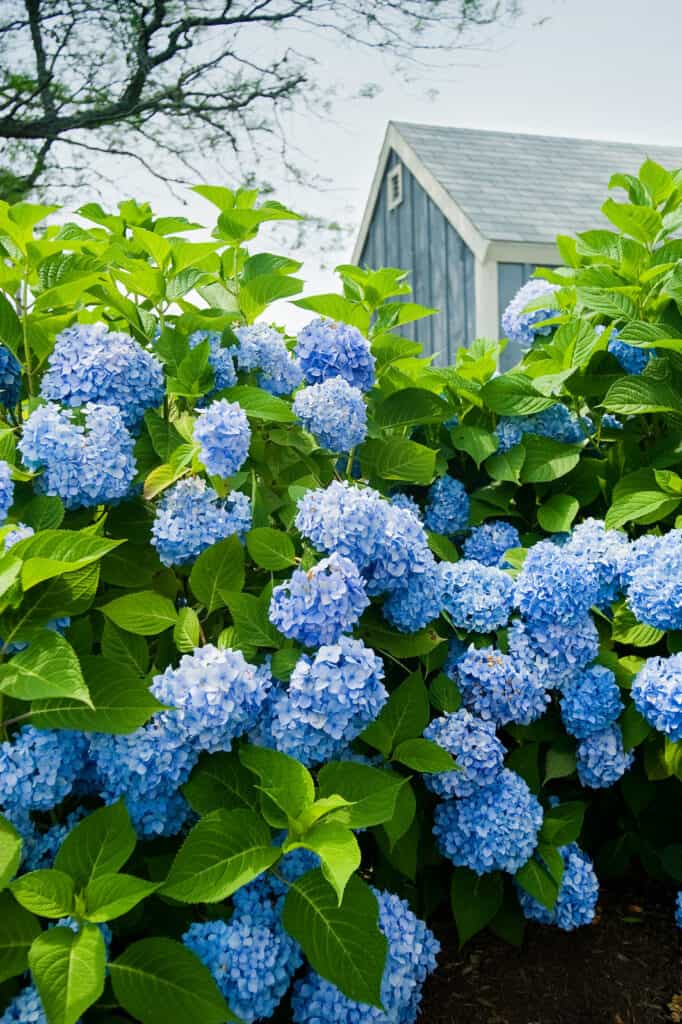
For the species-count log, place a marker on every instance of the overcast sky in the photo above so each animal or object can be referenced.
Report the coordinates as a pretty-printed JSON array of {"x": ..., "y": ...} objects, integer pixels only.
[{"x": 605, "y": 69}]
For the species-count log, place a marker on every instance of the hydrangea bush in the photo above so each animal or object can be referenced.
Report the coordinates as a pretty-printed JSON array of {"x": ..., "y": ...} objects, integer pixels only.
[{"x": 307, "y": 644}]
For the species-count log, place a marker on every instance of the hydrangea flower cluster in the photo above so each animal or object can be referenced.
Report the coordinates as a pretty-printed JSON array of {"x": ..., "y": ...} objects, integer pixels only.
[
  {"x": 6, "y": 491},
  {"x": 419, "y": 602},
  {"x": 489, "y": 542},
  {"x": 402, "y": 500},
  {"x": 25, "y": 1008},
  {"x": 556, "y": 652},
  {"x": 10, "y": 378},
  {"x": 86, "y": 455},
  {"x": 447, "y": 509},
  {"x": 654, "y": 589},
  {"x": 634, "y": 360},
  {"x": 557, "y": 423},
  {"x": 578, "y": 894},
  {"x": 522, "y": 324},
  {"x": 556, "y": 585},
  {"x": 678, "y": 909},
  {"x": 90, "y": 364},
  {"x": 19, "y": 532},
  {"x": 412, "y": 952},
  {"x": 327, "y": 348},
  {"x": 219, "y": 358},
  {"x": 657, "y": 693},
  {"x": 263, "y": 348},
  {"x": 590, "y": 702},
  {"x": 494, "y": 829},
  {"x": 331, "y": 699},
  {"x": 334, "y": 412},
  {"x": 477, "y": 597},
  {"x": 191, "y": 517},
  {"x": 316, "y": 606},
  {"x": 222, "y": 430},
  {"x": 497, "y": 690},
  {"x": 477, "y": 750},
  {"x": 602, "y": 759},
  {"x": 604, "y": 551},
  {"x": 640, "y": 553},
  {"x": 38, "y": 768},
  {"x": 40, "y": 848}
]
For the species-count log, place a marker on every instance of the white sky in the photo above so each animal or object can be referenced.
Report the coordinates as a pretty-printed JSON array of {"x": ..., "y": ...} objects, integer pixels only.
[{"x": 605, "y": 69}]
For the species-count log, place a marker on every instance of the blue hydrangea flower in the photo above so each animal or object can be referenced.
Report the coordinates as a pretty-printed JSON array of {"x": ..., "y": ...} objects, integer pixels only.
[
  {"x": 489, "y": 542},
  {"x": 89, "y": 363},
  {"x": 657, "y": 693},
  {"x": 601, "y": 758},
  {"x": 327, "y": 348},
  {"x": 191, "y": 517},
  {"x": 264, "y": 896},
  {"x": 494, "y": 829},
  {"x": 86, "y": 455},
  {"x": 412, "y": 952},
  {"x": 591, "y": 702},
  {"x": 477, "y": 597},
  {"x": 476, "y": 749},
  {"x": 344, "y": 518},
  {"x": 641, "y": 551},
  {"x": 38, "y": 767},
  {"x": 6, "y": 490},
  {"x": 331, "y": 699},
  {"x": 655, "y": 581},
  {"x": 520, "y": 323},
  {"x": 216, "y": 696},
  {"x": 497, "y": 690},
  {"x": 223, "y": 432},
  {"x": 611, "y": 422},
  {"x": 401, "y": 553},
  {"x": 578, "y": 894},
  {"x": 605, "y": 551},
  {"x": 18, "y": 532},
  {"x": 219, "y": 359},
  {"x": 678, "y": 909},
  {"x": 263, "y": 348},
  {"x": 510, "y": 430},
  {"x": 25, "y": 1008},
  {"x": 10, "y": 378},
  {"x": 334, "y": 412},
  {"x": 252, "y": 962},
  {"x": 402, "y": 500},
  {"x": 553, "y": 650},
  {"x": 555, "y": 585},
  {"x": 316, "y": 606},
  {"x": 633, "y": 360},
  {"x": 447, "y": 509},
  {"x": 557, "y": 423},
  {"x": 418, "y": 602}
]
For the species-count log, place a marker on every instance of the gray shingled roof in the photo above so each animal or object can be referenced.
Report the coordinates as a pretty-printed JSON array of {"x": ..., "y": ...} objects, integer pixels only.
[{"x": 528, "y": 188}]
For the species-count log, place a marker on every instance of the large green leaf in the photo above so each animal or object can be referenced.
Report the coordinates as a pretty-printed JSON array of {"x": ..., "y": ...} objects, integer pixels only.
[
  {"x": 371, "y": 792},
  {"x": 547, "y": 459},
  {"x": 18, "y": 929},
  {"x": 271, "y": 549},
  {"x": 48, "y": 667},
  {"x": 537, "y": 881},
  {"x": 159, "y": 981},
  {"x": 285, "y": 781},
  {"x": 557, "y": 513},
  {"x": 424, "y": 756},
  {"x": 10, "y": 851},
  {"x": 259, "y": 404},
  {"x": 146, "y": 613},
  {"x": 342, "y": 943},
  {"x": 562, "y": 824},
  {"x": 218, "y": 570},
  {"x": 110, "y": 896},
  {"x": 638, "y": 497},
  {"x": 54, "y": 552},
  {"x": 221, "y": 782},
  {"x": 338, "y": 850},
  {"x": 475, "y": 900},
  {"x": 46, "y": 892},
  {"x": 98, "y": 845},
  {"x": 409, "y": 407},
  {"x": 403, "y": 717},
  {"x": 514, "y": 394},
  {"x": 633, "y": 395},
  {"x": 399, "y": 459},
  {"x": 68, "y": 970}
]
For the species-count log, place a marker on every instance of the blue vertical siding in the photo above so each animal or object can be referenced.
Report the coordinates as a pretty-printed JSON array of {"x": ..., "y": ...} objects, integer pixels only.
[
  {"x": 510, "y": 277},
  {"x": 417, "y": 237}
]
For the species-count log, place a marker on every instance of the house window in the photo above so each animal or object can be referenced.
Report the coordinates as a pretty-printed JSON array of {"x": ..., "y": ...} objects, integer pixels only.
[{"x": 395, "y": 187}]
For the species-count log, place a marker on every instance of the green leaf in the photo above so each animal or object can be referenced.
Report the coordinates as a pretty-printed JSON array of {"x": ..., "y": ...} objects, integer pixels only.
[
  {"x": 336, "y": 307},
  {"x": 218, "y": 570},
  {"x": 99, "y": 845},
  {"x": 547, "y": 459},
  {"x": 220, "y": 781},
  {"x": 259, "y": 404},
  {"x": 372, "y": 792},
  {"x": 44, "y": 512},
  {"x": 633, "y": 395},
  {"x": 562, "y": 824},
  {"x": 475, "y": 900},
  {"x": 145, "y": 613},
  {"x": 403, "y": 717},
  {"x": 337, "y": 849},
  {"x": 640, "y": 222},
  {"x": 514, "y": 394},
  {"x": 224, "y": 851},
  {"x": 444, "y": 694},
  {"x": 559, "y": 764},
  {"x": 637, "y": 497},
  {"x": 378, "y": 634},
  {"x": 536, "y": 880},
  {"x": 54, "y": 552},
  {"x": 47, "y": 892},
  {"x": 18, "y": 929},
  {"x": 286, "y": 782},
  {"x": 409, "y": 407},
  {"x": 257, "y": 294},
  {"x": 271, "y": 549},
  {"x": 399, "y": 459},
  {"x": 68, "y": 970},
  {"x": 110, "y": 896},
  {"x": 250, "y": 617},
  {"x": 48, "y": 667},
  {"x": 342, "y": 943},
  {"x": 507, "y": 465},
  {"x": 556, "y": 515},
  {"x": 424, "y": 756},
  {"x": 10, "y": 851},
  {"x": 634, "y": 727},
  {"x": 627, "y": 630},
  {"x": 475, "y": 441},
  {"x": 128, "y": 651},
  {"x": 159, "y": 981},
  {"x": 187, "y": 630},
  {"x": 121, "y": 702}
]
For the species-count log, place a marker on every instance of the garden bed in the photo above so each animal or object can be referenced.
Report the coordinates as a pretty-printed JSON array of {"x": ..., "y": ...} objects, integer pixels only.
[{"x": 626, "y": 968}]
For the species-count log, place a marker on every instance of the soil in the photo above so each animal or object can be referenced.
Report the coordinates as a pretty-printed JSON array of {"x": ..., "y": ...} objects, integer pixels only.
[{"x": 626, "y": 968}]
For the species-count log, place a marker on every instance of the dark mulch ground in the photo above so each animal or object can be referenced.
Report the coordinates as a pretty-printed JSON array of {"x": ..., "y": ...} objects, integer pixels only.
[{"x": 624, "y": 969}]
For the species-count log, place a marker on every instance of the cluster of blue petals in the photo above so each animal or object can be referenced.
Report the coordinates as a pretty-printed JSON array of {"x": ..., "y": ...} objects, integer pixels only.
[
  {"x": 604, "y": 552},
  {"x": 418, "y": 602},
  {"x": 654, "y": 581},
  {"x": 328, "y": 348},
  {"x": 89, "y": 363},
  {"x": 556, "y": 585},
  {"x": 495, "y": 828},
  {"x": 602, "y": 761},
  {"x": 591, "y": 702},
  {"x": 497, "y": 689},
  {"x": 678, "y": 909},
  {"x": 10, "y": 378},
  {"x": 317, "y": 605},
  {"x": 555, "y": 651},
  {"x": 521, "y": 324},
  {"x": 219, "y": 358},
  {"x": 334, "y": 412},
  {"x": 475, "y": 747},
  {"x": 657, "y": 693},
  {"x": 191, "y": 517},
  {"x": 634, "y": 360},
  {"x": 38, "y": 768},
  {"x": 489, "y": 542},
  {"x": 578, "y": 894},
  {"x": 86, "y": 455},
  {"x": 262, "y": 348},
  {"x": 447, "y": 508},
  {"x": 477, "y": 597},
  {"x": 557, "y": 423},
  {"x": 223, "y": 433},
  {"x": 25, "y": 1008},
  {"x": 6, "y": 490}
]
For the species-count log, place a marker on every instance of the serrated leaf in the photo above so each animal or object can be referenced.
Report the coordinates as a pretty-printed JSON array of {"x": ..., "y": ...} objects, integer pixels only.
[
  {"x": 218, "y": 570},
  {"x": 145, "y": 613},
  {"x": 99, "y": 845},
  {"x": 10, "y": 851},
  {"x": 556, "y": 515},
  {"x": 271, "y": 549},
  {"x": 475, "y": 900},
  {"x": 403, "y": 717},
  {"x": 47, "y": 668},
  {"x": 547, "y": 459},
  {"x": 68, "y": 970},
  {"x": 18, "y": 929},
  {"x": 46, "y": 892},
  {"x": 424, "y": 756},
  {"x": 220, "y": 781},
  {"x": 285, "y": 781},
  {"x": 338, "y": 850},
  {"x": 110, "y": 896},
  {"x": 372, "y": 792}
]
